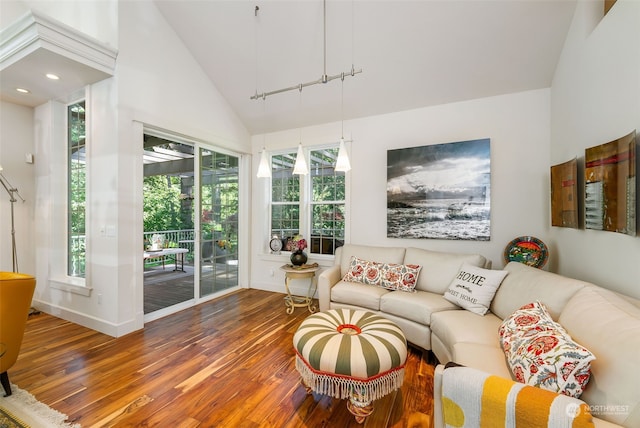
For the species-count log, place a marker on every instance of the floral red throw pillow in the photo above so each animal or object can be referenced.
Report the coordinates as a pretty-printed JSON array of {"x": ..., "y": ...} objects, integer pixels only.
[
  {"x": 541, "y": 353},
  {"x": 362, "y": 271},
  {"x": 391, "y": 276}
]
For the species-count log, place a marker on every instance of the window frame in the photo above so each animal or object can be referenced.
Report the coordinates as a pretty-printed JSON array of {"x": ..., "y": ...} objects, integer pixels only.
[
  {"x": 60, "y": 232},
  {"x": 305, "y": 201},
  {"x": 70, "y": 171}
]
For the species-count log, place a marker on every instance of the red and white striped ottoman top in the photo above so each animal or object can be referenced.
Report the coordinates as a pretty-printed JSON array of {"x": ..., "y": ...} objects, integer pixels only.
[{"x": 339, "y": 349}]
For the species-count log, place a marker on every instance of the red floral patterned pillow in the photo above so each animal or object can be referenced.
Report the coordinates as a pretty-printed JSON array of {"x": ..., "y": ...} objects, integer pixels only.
[
  {"x": 527, "y": 321},
  {"x": 362, "y": 271},
  {"x": 541, "y": 353},
  {"x": 391, "y": 276},
  {"x": 399, "y": 277}
]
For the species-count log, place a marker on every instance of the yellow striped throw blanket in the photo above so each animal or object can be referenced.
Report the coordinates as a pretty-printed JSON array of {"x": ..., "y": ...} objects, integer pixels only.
[{"x": 472, "y": 398}]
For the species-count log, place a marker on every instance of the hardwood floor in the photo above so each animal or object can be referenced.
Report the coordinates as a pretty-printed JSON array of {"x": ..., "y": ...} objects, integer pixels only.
[{"x": 225, "y": 363}]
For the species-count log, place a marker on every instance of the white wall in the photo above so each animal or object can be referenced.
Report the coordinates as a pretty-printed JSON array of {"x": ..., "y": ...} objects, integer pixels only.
[
  {"x": 518, "y": 126},
  {"x": 15, "y": 142},
  {"x": 157, "y": 83},
  {"x": 595, "y": 99}
]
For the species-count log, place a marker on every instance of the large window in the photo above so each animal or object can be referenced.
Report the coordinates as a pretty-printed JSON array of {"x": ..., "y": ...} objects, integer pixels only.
[
  {"x": 311, "y": 205},
  {"x": 76, "y": 190},
  {"x": 285, "y": 196}
]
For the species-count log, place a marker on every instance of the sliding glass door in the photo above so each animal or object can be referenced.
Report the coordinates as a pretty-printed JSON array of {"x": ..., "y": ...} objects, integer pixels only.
[
  {"x": 219, "y": 199},
  {"x": 168, "y": 207},
  {"x": 187, "y": 189}
]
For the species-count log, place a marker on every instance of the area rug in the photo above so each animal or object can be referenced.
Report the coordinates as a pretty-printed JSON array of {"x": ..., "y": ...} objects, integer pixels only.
[{"x": 22, "y": 410}]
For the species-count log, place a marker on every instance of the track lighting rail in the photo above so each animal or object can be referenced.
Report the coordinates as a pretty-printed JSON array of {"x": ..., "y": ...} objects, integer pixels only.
[{"x": 323, "y": 79}]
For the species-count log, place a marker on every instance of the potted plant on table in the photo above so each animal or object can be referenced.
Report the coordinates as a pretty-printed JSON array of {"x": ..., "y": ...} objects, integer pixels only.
[{"x": 298, "y": 256}]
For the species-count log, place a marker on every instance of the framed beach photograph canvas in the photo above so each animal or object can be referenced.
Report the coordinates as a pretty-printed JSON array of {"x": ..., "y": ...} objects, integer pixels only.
[{"x": 440, "y": 191}]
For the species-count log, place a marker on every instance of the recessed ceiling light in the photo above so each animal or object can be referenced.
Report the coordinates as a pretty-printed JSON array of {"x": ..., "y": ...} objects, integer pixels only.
[
  {"x": 52, "y": 76},
  {"x": 23, "y": 90}
]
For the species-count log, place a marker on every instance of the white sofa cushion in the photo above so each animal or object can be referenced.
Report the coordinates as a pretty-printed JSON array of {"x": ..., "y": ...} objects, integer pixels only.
[
  {"x": 439, "y": 268},
  {"x": 463, "y": 326},
  {"x": 525, "y": 284},
  {"x": 416, "y": 333},
  {"x": 357, "y": 294},
  {"x": 609, "y": 326},
  {"x": 482, "y": 357},
  {"x": 416, "y": 306}
]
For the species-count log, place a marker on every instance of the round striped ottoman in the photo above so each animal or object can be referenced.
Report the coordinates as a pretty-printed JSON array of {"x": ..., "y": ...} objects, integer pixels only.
[{"x": 352, "y": 354}]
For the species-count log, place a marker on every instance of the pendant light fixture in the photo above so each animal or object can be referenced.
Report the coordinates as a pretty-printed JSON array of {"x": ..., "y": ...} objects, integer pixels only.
[
  {"x": 342, "y": 163},
  {"x": 264, "y": 169},
  {"x": 300, "y": 167}
]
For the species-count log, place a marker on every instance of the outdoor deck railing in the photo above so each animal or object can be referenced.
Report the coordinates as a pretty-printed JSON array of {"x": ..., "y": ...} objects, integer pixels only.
[
  {"x": 173, "y": 238},
  {"x": 183, "y": 238}
]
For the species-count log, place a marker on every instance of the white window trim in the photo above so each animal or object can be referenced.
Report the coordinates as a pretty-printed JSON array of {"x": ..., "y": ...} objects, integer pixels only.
[
  {"x": 306, "y": 202},
  {"x": 59, "y": 255}
]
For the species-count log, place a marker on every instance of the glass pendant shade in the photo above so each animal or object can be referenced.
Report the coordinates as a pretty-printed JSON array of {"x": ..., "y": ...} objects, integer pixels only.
[
  {"x": 342, "y": 163},
  {"x": 264, "y": 169},
  {"x": 300, "y": 166}
]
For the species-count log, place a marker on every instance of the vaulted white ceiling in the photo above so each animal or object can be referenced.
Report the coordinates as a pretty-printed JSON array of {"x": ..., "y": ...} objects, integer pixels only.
[{"x": 413, "y": 53}]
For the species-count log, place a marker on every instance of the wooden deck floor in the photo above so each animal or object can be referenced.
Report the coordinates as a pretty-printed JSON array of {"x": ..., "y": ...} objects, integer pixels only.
[
  {"x": 224, "y": 363},
  {"x": 164, "y": 286}
]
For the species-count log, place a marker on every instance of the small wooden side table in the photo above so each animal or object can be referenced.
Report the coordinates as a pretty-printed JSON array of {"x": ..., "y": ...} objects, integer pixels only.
[{"x": 305, "y": 272}]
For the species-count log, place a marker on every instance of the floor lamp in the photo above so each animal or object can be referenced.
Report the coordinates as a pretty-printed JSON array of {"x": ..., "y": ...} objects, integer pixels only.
[{"x": 13, "y": 192}]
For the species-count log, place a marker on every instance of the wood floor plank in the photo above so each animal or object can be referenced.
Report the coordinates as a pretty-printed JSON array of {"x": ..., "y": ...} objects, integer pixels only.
[{"x": 226, "y": 363}]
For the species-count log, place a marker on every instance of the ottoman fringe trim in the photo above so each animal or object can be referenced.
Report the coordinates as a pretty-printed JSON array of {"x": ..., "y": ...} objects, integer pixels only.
[{"x": 341, "y": 386}]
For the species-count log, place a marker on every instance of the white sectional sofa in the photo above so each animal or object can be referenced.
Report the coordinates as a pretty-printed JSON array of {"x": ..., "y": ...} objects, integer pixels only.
[
  {"x": 606, "y": 323},
  {"x": 411, "y": 311}
]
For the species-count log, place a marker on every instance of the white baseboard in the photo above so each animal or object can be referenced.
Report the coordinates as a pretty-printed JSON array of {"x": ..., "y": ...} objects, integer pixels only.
[
  {"x": 118, "y": 330},
  {"x": 103, "y": 326}
]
